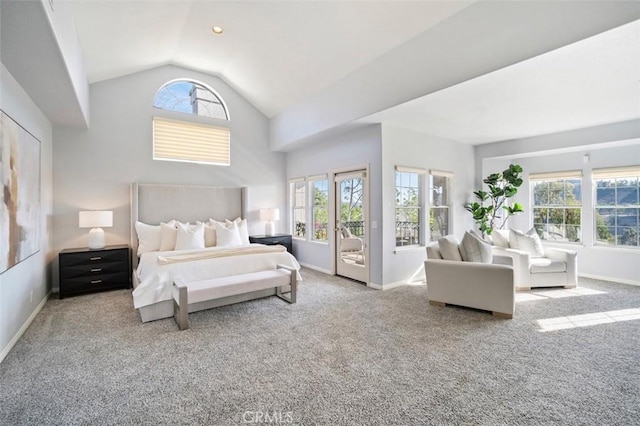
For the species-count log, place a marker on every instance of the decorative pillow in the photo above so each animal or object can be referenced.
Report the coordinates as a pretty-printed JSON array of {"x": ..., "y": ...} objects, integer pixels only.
[
  {"x": 243, "y": 229},
  {"x": 168, "y": 235},
  {"x": 529, "y": 242},
  {"x": 228, "y": 235},
  {"x": 500, "y": 238},
  {"x": 190, "y": 237},
  {"x": 474, "y": 249},
  {"x": 148, "y": 237},
  {"x": 449, "y": 248},
  {"x": 209, "y": 234}
]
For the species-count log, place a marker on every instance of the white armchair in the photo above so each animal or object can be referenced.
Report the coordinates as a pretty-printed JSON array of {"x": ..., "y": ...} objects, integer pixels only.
[
  {"x": 556, "y": 268},
  {"x": 476, "y": 285},
  {"x": 348, "y": 242}
]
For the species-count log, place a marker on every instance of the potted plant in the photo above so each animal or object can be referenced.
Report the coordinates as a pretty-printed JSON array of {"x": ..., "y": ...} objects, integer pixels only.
[{"x": 492, "y": 204}]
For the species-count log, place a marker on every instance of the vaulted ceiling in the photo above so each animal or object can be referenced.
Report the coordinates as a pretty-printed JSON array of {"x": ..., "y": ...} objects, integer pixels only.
[{"x": 471, "y": 71}]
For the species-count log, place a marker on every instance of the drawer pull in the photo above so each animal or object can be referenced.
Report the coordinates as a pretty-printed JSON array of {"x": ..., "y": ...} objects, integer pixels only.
[
  {"x": 96, "y": 258},
  {"x": 96, "y": 269},
  {"x": 96, "y": 281}
]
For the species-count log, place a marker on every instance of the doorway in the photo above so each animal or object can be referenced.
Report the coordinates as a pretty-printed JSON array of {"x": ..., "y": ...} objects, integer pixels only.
[{"x": 351, "y": 211}]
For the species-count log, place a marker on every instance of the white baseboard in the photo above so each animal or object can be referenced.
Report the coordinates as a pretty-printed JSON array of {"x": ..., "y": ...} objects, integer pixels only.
[
  {"x": 315, "y": 268},
  {"x": 24, "y": 327},
  {"x": 615, "y": 280},
  {"x": 393, "y": 285}
]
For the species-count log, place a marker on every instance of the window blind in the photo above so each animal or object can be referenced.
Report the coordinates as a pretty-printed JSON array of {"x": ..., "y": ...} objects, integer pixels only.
[
  {"x": 177, "y": 140},
  {"x": 405, "y": 169},
  {"x": 616, "y": 172},
  {"x": 556, "y": 175},
  {"x": 441, "y": 173}
]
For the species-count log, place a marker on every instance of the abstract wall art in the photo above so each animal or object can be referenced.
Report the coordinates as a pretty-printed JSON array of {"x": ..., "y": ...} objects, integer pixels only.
[{"x": 19, "y": 193}]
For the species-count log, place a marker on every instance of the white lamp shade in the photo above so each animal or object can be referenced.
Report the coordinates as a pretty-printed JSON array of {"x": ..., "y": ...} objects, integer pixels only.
[
  {"x": 96, "y": 219},
  {"x": 269, "y": 214}
]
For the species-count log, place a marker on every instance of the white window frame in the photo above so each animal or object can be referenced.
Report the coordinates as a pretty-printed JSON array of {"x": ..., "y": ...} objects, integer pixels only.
[
  {"x": 448, "y": 206},
  {"x": 614, "y": 173},
  {"x": 421, "y": 173},
  {"x": 536, "y": 178},
  {"x": 312, "y": 207},
  {"x": 293, "y": 207}
]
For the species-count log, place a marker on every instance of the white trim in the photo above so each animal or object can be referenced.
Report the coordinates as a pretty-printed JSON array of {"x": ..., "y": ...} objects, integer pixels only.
[
  {"x": 610, "y": 279},
  {"x": 24, "y": 327},
  {"x": 315, "y": 268},
  {"x": 405, "y": 169},
  {"x": 433, "y": 172},
  {"x": 390, "y": 286}
]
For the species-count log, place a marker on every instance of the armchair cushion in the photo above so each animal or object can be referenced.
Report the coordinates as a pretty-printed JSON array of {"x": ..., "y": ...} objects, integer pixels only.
[
  {"x": 449, "y": 248},
  {"x": 545, "y": 265},
  {"x": 474, "y": 249},
  {"x": 500, "y": 238},
  {"x": 529, "y": 242}
]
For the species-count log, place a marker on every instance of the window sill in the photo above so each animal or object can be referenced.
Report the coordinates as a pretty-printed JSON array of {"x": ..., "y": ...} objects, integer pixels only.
[{"x": 408, "y": 249}]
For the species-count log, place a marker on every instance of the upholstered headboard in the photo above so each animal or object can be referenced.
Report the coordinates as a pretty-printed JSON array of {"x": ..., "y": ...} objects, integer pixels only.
[{"x": 155, "y": 203}]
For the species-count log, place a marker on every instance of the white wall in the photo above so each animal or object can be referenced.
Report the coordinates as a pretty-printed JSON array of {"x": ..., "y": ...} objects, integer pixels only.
[
  {"x": 25, "y": 287},
  {"x": 93, "y": 168},
  {"x": 352, "y": 149},
  {"x": 403, "y": 147},
  {"x": 618, "y": 264}
]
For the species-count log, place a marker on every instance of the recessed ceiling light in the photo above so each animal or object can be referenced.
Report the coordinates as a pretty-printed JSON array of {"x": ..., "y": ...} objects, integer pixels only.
[{"x": 217, "y": 30}]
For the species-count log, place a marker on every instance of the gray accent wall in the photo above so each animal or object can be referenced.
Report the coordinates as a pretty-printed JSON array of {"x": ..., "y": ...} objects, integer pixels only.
[
  {"x": 25, "y": 287},
  {"x": 93, "y": 168}
]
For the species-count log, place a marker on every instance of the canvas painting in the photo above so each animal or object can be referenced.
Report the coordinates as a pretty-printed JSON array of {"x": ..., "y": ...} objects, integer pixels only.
[{"x": 20, "y": 193}]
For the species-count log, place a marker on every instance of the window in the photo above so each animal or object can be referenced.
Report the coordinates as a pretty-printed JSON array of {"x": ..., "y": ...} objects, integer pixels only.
[
  {"x": 190, "y": 139},
  {"x": 409, "y": 206},
  {"x": 319, "y": 207},
  {"x": 557, "y": 199},
  {"x": 190, "y": 97},
  {"x": 298, "y": 194},
  {"x": 439, "y": 183},
  {"x": 617, "y": 210}
]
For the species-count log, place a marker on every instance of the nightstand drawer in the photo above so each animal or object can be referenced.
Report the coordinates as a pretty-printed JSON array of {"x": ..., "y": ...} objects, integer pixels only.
[
  {"x": 271, "y": 240},
  {"x": 86, "y": 284}
]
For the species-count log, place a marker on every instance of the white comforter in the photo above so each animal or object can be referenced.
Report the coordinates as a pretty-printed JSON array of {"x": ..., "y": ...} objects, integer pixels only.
[{"x": 156, "y": 280}]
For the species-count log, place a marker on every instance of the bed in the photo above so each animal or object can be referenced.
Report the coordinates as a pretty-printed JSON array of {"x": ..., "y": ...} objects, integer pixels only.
[{"x": 154, "y": 272}]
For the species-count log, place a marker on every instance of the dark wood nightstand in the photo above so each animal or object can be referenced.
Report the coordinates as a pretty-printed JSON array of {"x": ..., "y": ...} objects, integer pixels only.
[
  {"x": 83, "y": 270},
  {"x": 272, "y": 240}
]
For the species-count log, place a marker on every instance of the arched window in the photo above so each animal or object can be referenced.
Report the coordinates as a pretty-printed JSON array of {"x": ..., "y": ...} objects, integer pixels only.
[
  {"x": 190, "y": 139},
  {"x": 192, "y": 98}
]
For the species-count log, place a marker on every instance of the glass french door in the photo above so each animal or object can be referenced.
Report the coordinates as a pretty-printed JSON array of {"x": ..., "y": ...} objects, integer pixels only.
[{"x": 351, "y": 225}]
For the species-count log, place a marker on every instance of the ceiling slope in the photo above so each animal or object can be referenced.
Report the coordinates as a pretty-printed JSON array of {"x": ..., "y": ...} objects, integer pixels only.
[{"x": 480, "y": 39}]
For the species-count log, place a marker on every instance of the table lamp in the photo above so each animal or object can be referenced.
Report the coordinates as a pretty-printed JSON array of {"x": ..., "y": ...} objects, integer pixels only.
[
  {"x": 96, "y": 219},
  {"x": 269, "y": 215}
]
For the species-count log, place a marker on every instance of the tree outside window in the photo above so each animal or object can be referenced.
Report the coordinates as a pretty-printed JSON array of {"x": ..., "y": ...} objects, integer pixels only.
[
  {"x": 408, "y": 209},
  {"x": 617, "y": 212},
  {"x": 557, "y": 208},
  {"x": 320, "y": 209},
  {"x": 298, "y": 203}
]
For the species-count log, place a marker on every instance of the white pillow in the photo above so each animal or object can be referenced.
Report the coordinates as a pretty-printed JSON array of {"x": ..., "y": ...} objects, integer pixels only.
[
  {"x": 243, "y": 229},
  {"x": 209, "y": 234},
  {"x": 529, "y": 242},
  {"x": 148, "y": 237},
  {"x": 449, "y": 248},
  {"x": 227, "y": 236},
  {"x": 168, "y": 235},
  {"x": 474, "y": 249},
  {"x": 190, "y": 236},
  {"x": 500, "y": 238}
]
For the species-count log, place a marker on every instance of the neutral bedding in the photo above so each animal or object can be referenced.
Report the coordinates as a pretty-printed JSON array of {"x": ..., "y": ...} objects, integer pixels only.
[{"x": 157, "y": 275}]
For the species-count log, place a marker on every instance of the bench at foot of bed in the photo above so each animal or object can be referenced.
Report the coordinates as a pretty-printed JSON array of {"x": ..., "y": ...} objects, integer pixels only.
[{"x": 216, "y": 288}]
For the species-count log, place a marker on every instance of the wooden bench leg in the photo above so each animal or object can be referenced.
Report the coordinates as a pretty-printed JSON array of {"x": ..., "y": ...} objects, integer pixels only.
[
  {"x": 291, "y": 298},
  {"x": 181, "y": 307}
]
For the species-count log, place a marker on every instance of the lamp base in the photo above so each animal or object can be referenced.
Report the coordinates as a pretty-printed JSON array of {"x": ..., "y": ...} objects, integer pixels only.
[
  {"x": 269, "y": 228},
  {"x": 96, "y": 238}
]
